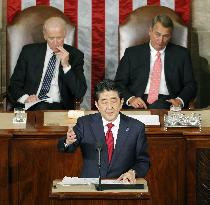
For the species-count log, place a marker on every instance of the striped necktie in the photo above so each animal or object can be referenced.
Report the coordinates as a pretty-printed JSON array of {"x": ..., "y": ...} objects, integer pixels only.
[{"x": 47, "y": 78}]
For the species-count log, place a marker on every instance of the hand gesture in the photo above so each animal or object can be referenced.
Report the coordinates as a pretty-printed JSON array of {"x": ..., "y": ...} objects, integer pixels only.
[
  {"x": 128, "y": 176},
  {"x": 31, "y": 98},
  {"x": 175, "y": 102},
  {"x": 63, "y": 55},
  {"x": 70, "y": 136},
  {"x": 137, "y": 102}
]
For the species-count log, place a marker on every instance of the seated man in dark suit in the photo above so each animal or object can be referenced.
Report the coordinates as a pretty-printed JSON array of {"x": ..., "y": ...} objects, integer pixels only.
[
  {"x": 51, "y": 71},
  {"x": 124, "y": 146},
  {"x": 156, "y": 74}
]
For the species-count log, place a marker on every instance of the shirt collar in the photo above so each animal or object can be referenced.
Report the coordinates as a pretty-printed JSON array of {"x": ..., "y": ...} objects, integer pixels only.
[
  {"x": 154, "y": 52},
  {"x": 49, "y": 50},
  {"x": 115, "y": 122}
]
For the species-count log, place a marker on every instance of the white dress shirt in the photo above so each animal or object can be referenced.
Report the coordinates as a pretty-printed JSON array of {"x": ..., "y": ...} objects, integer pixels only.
[
  {"x": 114, "y": 129},
  {"x": 153, "y": 55}
]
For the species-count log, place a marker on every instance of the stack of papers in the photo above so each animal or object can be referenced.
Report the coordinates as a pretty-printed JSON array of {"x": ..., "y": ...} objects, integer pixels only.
[
  {"x": 79, "y": 181},
  {"x": 30, "y": 104},
  {"x": 87, "y": 181},
  {"x": 147, "y": 119}
]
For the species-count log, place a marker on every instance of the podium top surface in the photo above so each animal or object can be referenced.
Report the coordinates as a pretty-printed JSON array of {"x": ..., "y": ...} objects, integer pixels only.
[{"x": 88, "y": 191}]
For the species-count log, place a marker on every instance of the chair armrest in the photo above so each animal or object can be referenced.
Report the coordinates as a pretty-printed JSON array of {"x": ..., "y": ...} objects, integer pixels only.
[
  {"x": 192, "y": 104},
  {"x": 77, "y": 103},
  {"x": 3, "y": 101}
]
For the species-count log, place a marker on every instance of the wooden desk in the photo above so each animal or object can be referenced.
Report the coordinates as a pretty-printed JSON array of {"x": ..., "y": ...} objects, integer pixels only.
[
  {"x": 4, "y": 167},
  {"x": 198, "y": 167},
  {"x": 6, "y": 136},
  {"x": 36, "y": 162},
  {"x": 31, "y": 161},
  {"x": 86, "y": 194}
]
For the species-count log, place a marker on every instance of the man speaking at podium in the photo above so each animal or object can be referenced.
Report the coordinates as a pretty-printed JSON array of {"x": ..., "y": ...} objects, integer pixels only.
[{"x": 121, "y": 139}]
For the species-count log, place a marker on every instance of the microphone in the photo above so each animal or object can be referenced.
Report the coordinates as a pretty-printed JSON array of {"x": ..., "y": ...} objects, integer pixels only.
[{"x": 99, "y": 149}]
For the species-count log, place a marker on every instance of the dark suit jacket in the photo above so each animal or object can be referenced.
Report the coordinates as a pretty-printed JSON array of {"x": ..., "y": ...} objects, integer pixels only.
[
  {"x": 130, "y": 150},
  {"x": 134, "y": 68},
  {"x": 28, "y": 72}
]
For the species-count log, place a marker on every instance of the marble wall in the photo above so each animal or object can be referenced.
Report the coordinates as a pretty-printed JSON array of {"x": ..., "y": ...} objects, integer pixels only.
[
  {"x": 1, "y": 19},
  {"x": 200, "y": 49},
  {"x": 2, "y": 47},
  {"x": 1, "y": 23}
]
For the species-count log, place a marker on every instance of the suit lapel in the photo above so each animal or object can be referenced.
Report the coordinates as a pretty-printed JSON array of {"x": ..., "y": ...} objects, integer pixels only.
[
  {"x": 147, "y": 59},
  {"x": 61, "y": 72},
  {"x": 168, "y": 65},
  {"x": 121, "y": 138},
  {"x": 39, "y": 64},
  {"x": 147, "y": 64},
  {"x": 142, "y": 68},
  {"x": 98, "y": 132}
]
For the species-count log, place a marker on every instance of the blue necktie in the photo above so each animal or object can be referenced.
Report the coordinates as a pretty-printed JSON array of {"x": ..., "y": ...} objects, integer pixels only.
[{"x": 47, "y": 78}]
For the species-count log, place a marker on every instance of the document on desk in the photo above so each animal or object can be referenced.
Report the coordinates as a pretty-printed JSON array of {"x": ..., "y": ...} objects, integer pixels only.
[
  {"x": 87, "y": 181},
  {"x": 30, "y": 104},
  {"x": 147, "y": 119}
]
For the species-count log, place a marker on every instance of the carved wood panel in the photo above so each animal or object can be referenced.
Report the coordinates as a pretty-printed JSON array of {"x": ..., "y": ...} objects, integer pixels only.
[
  {"x": 203, "y": 176},
  {"x": 35, "y": 163},
  {"x": 166, "y": 175},
  {"x": 4, "y": 171}
]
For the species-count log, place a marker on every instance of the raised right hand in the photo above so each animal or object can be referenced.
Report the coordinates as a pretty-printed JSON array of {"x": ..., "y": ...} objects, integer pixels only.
[{"x": 70, "y": 136}]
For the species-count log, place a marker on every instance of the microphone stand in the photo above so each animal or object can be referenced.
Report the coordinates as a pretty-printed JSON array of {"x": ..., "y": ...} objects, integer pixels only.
[{"x": 99, "y": 187}]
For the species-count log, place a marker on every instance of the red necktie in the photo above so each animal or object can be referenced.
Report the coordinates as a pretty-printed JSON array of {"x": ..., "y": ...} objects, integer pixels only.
[
  {"x": 155, "y": 80},
  {"x": 109, "y": 141}
]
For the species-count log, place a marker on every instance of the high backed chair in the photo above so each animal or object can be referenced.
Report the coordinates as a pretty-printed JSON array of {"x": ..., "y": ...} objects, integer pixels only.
[
  {"x": 27, "y": 27},
  {"x": 135, "y": 29}
]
